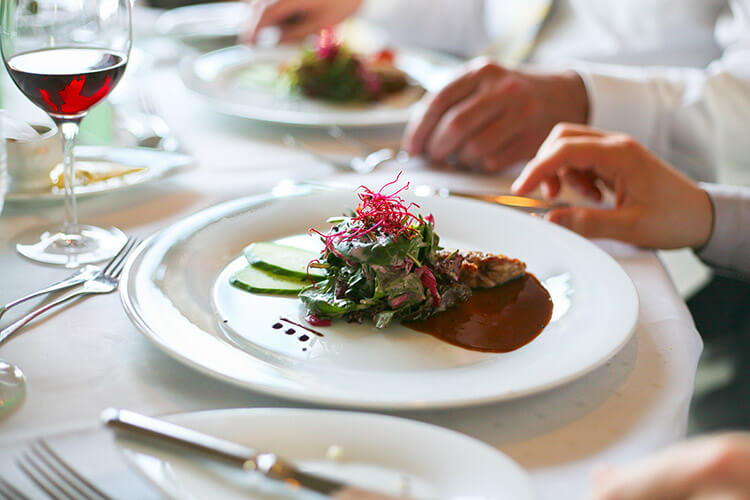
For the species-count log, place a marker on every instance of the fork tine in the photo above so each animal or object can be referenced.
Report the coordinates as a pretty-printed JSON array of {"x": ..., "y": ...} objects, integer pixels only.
[
  {"x": 38, "y": 478},
  {"x": 49, "y": 456},
  {"x": 117, "y": 255},
  {"x": 117, "y": 270},
  {"x": 10, "y": 491},
  {"x": 43, "y": 463}
]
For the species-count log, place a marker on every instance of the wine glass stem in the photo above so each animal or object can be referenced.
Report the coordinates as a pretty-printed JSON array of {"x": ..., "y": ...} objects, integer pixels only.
[{"x": 69, "y": 131}]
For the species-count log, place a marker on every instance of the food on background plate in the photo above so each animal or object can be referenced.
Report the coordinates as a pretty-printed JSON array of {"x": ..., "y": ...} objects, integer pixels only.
[{"x": 332, "y": 72}]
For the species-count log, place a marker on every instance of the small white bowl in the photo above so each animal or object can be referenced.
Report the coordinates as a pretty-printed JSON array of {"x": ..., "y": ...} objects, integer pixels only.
[{"x": 30, "y": 162}]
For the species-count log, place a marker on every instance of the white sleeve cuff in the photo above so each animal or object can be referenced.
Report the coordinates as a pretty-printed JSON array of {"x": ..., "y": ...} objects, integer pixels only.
[
  {"x": 626, "y": 103},
  {"x": 729, "y": 244}
]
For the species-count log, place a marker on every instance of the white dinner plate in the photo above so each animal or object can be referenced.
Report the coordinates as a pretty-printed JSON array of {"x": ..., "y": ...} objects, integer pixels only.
[
  {"x": 387, "y": 454},
  {"x": 242, "y": 81},
  {"x": 155, "y": 164},
  {"x": 176, "y": 291}
]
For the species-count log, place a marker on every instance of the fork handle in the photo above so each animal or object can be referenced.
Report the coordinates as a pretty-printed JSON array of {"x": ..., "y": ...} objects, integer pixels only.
[
  {"x": 74, "y": 280},
  {"x": 8, "y": 331}
]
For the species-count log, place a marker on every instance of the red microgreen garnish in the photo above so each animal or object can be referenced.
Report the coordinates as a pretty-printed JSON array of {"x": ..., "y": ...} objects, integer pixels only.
[
  {"x": 377, "y": 213},
  {"x": 328, "y": 45}
]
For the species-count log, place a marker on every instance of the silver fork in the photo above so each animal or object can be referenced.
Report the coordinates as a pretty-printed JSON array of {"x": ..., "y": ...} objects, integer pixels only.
[
  {"x": 104, "y": 282},
  {"x": 54, "y": 476},
  {"x": 9, "y": 491},
  {"x": 83, "y": 274}
]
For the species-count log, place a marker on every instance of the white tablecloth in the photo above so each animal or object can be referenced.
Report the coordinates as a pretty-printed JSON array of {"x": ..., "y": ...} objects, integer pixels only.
[{"x": 89, "y": 356}]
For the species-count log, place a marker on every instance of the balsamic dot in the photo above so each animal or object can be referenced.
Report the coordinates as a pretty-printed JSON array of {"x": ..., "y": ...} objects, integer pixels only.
[
  {"x": 304, "y": 349},
  {"x": 304, "y": 338},
  {"x": 226, "y": 321},
  {"x": 290, "y": 331},
  {"x": 277, "y": 326}
]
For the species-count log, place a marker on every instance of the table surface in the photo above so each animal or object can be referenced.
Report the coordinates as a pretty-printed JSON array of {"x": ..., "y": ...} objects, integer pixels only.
[{"x": 89, "y": 356}]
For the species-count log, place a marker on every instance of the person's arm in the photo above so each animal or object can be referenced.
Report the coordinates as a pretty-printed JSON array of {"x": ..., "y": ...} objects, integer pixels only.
[
  {"x": 729, "y": 245},
  {"x": 696, "y": 119}
]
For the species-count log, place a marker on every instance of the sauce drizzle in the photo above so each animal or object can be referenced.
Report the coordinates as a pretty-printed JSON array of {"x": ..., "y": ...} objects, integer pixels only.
[{"x": 500, "y": 319}]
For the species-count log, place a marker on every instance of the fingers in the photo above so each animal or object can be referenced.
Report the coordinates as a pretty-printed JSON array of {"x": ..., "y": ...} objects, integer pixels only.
[
  {"x": 461, "y": 122},
  {"x": 265, "y": 13},
  {"x": 518, "y": 148},
  {"x": 495, "y": 135},
  {"x": 619, "y": 224},
  {"x": 583, "y": 182},
  {"x": 434, "y": 106},
  {"x": 596, "y": 154}
]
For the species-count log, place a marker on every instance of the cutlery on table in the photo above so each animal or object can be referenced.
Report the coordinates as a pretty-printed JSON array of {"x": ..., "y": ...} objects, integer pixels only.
[
  {"x": 266, "y": 463},
  {"x": 525, "y": 203},
  {"x": 83, "y": 274},
  {"x": 360, "y": 164},
  {"x": 49, "y": 472},
  {"x": 104, "y": 282}
]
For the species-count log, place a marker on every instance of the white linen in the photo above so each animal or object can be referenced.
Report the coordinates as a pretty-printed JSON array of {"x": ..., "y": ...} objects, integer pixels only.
[
  {"x": 89, "y": 356},
  {"x": 695, "y": 118}
]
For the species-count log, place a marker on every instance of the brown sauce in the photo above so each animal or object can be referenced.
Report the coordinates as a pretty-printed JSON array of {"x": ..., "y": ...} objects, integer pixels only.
[{"x": 499, "y": 319}]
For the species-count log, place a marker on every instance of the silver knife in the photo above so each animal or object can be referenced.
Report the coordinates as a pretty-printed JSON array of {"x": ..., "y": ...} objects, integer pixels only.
[
  {"x": 525, "y": 203},
  {"x": 266, "y": 463},
  {"x": 508, "y": 200}
]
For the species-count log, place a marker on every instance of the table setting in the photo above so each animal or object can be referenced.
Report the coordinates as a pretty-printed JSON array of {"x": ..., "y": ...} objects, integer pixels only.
[{"x": 164, "y": 340}]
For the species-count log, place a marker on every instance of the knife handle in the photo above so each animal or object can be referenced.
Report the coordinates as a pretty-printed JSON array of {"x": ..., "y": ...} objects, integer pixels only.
[{"x": 149, "y": 427}]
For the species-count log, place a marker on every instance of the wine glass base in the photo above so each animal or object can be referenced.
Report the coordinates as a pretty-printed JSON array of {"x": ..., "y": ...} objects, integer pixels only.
[
  {"x": 51, "y": 245},
  {"x": 12, "y": 386}
]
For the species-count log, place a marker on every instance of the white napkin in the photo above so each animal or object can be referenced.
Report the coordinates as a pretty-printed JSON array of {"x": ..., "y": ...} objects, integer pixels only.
[{"x": 14, "y": 128}]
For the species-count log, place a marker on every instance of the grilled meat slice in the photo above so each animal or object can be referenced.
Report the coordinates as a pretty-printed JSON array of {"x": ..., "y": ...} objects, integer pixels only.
[{"x": 484, "y": 270}]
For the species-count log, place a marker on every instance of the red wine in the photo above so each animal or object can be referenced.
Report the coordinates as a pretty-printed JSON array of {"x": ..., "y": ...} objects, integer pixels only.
[{"x": 66, "y": 82}]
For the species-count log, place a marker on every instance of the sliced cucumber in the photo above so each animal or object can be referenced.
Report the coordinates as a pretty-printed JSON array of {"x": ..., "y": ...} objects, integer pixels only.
[
  {"x": 256, "y": 280},
  {"x": 283, "y": 260}
]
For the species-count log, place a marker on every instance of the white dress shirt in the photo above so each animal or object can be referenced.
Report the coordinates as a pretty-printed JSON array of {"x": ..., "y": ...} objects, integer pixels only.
[{"x": 674, "y": 74}]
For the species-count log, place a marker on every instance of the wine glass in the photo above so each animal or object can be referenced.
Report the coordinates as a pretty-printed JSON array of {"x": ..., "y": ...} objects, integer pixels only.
[
  {"x": 66, "y": 56},
  {"x": 12, "y": 381}
]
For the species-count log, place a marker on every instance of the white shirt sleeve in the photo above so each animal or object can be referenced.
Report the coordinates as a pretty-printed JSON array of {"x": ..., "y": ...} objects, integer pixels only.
[
  {"x": 696, "y": 119},
  {"x": 729, "y": 245},
  {"x": 453, "y": 26}
]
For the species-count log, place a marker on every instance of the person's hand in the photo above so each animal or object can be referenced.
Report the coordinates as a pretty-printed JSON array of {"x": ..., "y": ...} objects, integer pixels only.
[
  {"x": 296, "y": 18},
  {"x": 655, "y": 205},
  {"x": 491, "y": 117},
  {"x": 706, "y": 468}
]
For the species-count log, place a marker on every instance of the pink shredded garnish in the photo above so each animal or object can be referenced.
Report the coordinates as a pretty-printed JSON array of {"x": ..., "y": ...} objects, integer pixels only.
[
  {"x": 386, "y": 214},
  {"x": 327, "y": 46},
  {"x": 370, "y": 79},
  {"x": 430, "y": 283},
  {"x": 315, "y": 320},
  {"x": 398, "y": 301}
]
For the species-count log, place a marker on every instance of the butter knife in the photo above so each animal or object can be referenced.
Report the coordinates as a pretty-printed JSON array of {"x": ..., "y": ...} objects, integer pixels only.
[{"x": 266, "y": 463}]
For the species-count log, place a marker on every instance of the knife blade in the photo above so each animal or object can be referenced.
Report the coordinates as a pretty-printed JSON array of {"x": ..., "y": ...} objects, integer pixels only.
[
  {"x": 525, "y": 203},
  {"x": 266, "y": 463}
]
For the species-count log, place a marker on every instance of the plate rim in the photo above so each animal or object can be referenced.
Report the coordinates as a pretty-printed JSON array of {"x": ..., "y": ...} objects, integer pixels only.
[
  {"x": 280, "y": 391},
  {"x": 512, "y": 466}
]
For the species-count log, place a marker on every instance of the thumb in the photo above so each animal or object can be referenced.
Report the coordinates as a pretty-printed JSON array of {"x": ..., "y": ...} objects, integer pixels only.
[{"x": 595, "y": 222}]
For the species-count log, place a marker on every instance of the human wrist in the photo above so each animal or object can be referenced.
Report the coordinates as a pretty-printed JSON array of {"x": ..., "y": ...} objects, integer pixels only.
[
  {"x": 565, "y": 96},
  {"x": 706, "y": 221}
]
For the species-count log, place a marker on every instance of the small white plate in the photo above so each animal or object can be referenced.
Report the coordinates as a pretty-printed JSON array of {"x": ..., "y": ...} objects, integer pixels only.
[
  {"x": 381, "y": 453},
  {"x": 155, "y": 164},
  {"x": 176, "y": 291},
  {"x": 240, "y": 81}
]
